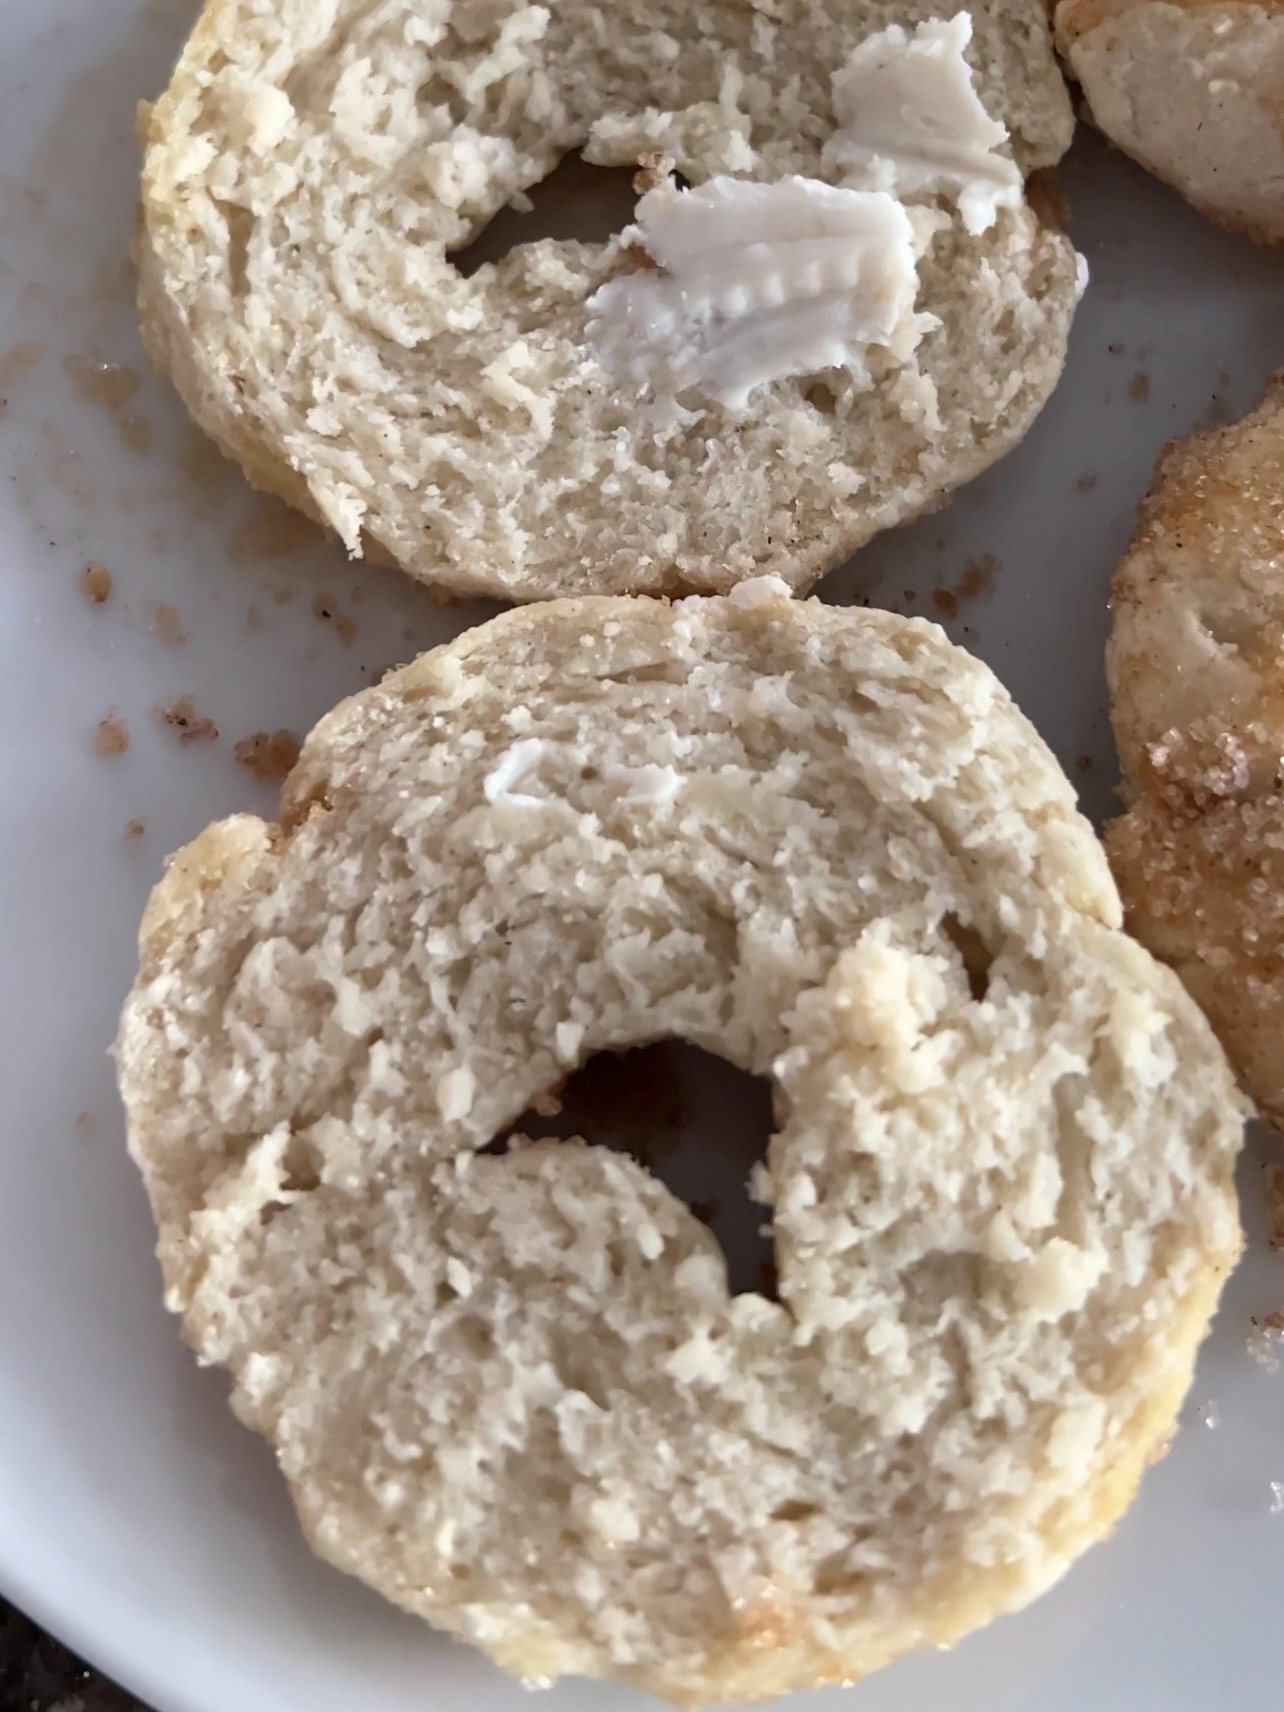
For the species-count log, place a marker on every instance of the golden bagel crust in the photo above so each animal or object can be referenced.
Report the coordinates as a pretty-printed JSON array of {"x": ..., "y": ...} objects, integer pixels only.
[{"x": 1196, "y": 666}]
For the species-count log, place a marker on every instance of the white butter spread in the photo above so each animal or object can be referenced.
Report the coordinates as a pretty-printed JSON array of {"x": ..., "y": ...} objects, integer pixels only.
[
  {"x": 912, "y": 123},
  {"x": 760, "y": 591},
  {"x": 649, "y": 783},
  {"x": 746, "y": 283},
  {"x": 515, "y": 768},
  {"x": 514, "y": 780},
  {"x": 758, "y": 282}
]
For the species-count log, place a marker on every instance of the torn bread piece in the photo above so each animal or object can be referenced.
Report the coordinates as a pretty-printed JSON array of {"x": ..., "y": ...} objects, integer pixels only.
[
  {"x": 311, "y": 172},
  {"x": 511, "y": 1391}
]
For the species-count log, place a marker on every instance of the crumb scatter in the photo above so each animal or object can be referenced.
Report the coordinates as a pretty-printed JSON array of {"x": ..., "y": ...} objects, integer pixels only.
[
  {"x": 268, "y": 755},
  {"x": 19, "y": 360},
  {"x": 181, "y": 716},
  {"x": 96, "y": 581},
  {"x": 112, "y": 386},
  {"x": 325, "y": 609},
  {"x": 112, "y": 737},
  {"x": 164, "y": 622},
  {"x": 976, "y": 578}
]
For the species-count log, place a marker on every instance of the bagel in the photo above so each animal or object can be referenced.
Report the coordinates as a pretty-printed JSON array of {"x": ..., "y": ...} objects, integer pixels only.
[
  {"x": 312, "y": 169},
  {"x": 511, "y": 1391},
  {"x": 1196, "y": 670},
  {"x": 1194, "y": 90}
]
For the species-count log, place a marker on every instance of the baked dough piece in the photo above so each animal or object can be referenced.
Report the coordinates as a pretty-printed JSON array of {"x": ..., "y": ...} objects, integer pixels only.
[
  {"x": 1194, "y": 90},
  {"x": 313, "y": 166},
  {"x": 511, "y": 1392},
  {"x": 1196, "y": 664}
]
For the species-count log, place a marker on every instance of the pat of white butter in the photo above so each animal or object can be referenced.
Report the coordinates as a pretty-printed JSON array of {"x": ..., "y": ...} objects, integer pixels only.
[
  {"x": 760, "y": 591},
  {"x": 757, "y": 282},
  {"x": 913, "y": 124}
]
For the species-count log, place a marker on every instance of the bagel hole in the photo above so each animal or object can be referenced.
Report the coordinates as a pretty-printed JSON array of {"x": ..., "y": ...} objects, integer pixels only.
[
  {"x": 576, "y": 201},
  {"x": 974, "y": 953},
  {"x": 694, "y": 1121}
]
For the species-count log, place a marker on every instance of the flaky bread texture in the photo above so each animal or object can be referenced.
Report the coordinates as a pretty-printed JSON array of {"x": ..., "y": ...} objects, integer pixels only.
[
  {"x": 1194, "y": 90},
  {"x": 1196, "y": 667},
  {"x": 312, "y": 167},
  {"x": 512, "y": 1392}
]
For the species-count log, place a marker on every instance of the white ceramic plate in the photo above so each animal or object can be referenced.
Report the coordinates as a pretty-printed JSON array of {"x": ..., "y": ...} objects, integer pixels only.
[{"x": 136, "y": 1518}]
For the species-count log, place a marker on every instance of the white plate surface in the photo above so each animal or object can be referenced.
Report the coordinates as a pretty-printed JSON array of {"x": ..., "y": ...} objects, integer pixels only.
[{"x": 136, "y": 1518}]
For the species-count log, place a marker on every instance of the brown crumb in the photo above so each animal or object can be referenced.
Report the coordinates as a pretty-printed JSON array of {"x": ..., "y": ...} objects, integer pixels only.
[
  {"x": 253, "y": 619},
  {"x": 323, "y": 607},
  {"x": 977, "y": 576},
  {"x": 134, "y": 830},
  {"x": 1083, "y": 764},
  {"x": 85, "y": 1121},
  {"x": 283, "y": 596},
  {"x": 547, "y": 1104},
  {"x": 95, "y": 580},
  {"x": 1087, "y": 481},
  {"x": 164, "y": 621},
  {"x": 113, "y": 735},
  {"x": 269, "y": 756},
  {"x": 1139, "y": 387},
  {"x": 181, "y": 716}
]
